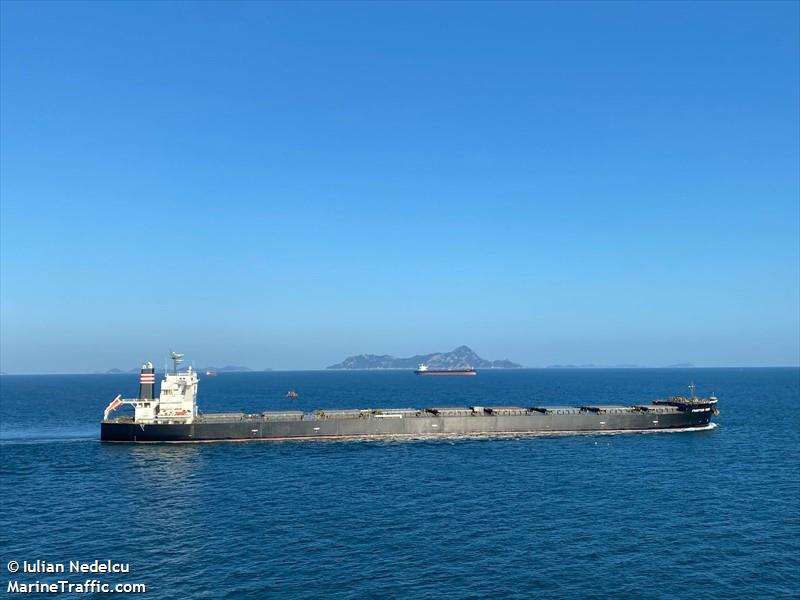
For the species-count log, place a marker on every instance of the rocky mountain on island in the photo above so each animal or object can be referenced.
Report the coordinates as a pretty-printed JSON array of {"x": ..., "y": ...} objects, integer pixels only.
[{"x": 460, "y": 358}]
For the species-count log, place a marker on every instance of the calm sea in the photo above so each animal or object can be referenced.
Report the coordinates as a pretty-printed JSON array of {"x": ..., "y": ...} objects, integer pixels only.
[{"x": 657, "y": 515}]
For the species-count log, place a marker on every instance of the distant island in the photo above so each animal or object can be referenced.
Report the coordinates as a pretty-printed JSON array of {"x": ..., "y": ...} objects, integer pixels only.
[
  {"x": 460, "y": 358},
  {"x": 622, "y": 366},
  {"x": 227, "y": 369}
]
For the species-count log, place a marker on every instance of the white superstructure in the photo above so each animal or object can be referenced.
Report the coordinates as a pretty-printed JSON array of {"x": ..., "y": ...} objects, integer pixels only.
[{"x": 176, "y": 403}]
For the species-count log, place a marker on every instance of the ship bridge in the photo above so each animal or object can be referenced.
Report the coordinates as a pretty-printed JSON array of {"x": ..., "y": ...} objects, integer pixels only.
[{"x": 176, "y": 403}]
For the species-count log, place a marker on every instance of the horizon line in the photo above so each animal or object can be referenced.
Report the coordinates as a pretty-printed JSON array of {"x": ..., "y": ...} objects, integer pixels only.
[{"x": 526, "y": 368}]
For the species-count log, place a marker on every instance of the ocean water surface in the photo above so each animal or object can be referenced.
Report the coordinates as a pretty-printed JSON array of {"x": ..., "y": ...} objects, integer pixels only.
[{"x": 657, "y": 515}]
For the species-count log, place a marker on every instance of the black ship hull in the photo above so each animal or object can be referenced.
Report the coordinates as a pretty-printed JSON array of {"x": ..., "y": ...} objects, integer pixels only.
[{"x": 256, "y": 427}]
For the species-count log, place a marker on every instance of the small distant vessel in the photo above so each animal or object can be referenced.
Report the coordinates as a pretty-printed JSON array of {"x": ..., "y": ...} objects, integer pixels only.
[
  {"x": 211, "y": 373},
  {"x": 292, "y": 394},
  {"x": 424, "y": 369},
  {"x": 173, "y": 416}
]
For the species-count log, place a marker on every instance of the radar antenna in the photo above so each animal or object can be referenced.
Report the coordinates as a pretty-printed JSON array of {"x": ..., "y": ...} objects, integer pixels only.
[
  {"x": 692, "y": 387},
  {"x": 177, "y": 358}
]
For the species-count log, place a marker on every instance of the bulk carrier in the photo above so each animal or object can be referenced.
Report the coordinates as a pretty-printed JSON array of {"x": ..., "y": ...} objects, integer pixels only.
[
  {"x": 424, "y": 369},
  {"x": 173, "y": 416}
]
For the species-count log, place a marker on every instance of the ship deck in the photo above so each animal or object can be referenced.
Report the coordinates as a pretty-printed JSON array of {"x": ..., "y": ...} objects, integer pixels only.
[{"x": 483, "y": 411}]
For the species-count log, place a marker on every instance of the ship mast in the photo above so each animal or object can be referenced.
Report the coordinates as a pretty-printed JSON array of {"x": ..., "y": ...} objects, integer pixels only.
[
  {"x": 177, "y": 359},
  {"x": 692, "y": 389}
]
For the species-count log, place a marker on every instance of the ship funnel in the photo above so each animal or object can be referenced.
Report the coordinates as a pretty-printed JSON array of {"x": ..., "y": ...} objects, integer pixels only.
[{"x": 147, "y": 381}]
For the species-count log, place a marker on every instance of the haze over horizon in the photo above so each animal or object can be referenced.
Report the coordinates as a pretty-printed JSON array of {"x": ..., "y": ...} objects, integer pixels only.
[
  {"x": 161, "y": 361},
  {"x": 283, "y": 185}
]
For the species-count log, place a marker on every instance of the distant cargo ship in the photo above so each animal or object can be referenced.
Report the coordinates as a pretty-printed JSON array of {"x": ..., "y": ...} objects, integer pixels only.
[
  {"x": 426, "y": 370},
  {"x": 173, "y": 416}
]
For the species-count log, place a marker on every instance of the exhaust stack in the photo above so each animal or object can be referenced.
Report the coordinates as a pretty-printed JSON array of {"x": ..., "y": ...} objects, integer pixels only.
[{"x": 147, "y": 381}]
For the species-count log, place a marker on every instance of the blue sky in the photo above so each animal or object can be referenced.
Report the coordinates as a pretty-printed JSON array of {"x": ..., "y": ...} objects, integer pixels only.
[{"x": 282, "y": 185}]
